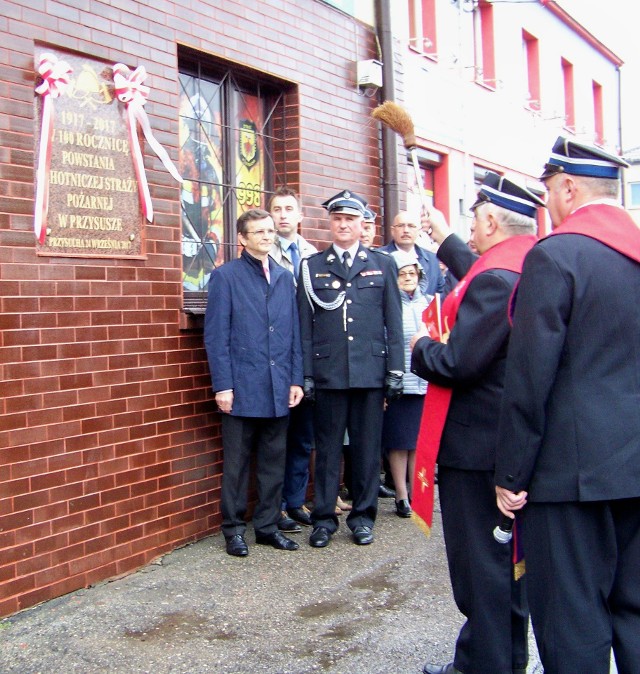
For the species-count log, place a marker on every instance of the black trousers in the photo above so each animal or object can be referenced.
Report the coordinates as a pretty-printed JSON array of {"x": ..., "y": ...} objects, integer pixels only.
[
  {"x": 359, "y": 411},
  {"x": 493, "y": 639},
  {"x": 240, "y": 437},
  {"x": 583, "y": 564}
]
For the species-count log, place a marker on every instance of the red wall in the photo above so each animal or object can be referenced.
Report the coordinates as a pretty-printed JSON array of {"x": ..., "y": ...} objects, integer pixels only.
[{"x": 110, "y": 450}]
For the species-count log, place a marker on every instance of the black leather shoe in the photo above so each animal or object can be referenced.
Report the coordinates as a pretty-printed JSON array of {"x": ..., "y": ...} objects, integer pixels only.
[
  {"x": 363, "y": 535},
  {"x": 440, "y": 669},
  {"x": 285, "y": 523},
  {"x": 301, "y": 515},
  {"x": 385, "y": 492},
  {"x": 320, "y": 537},
  {"x": 236, "y": 546},
  {"x": 403, "y": 509},
  {"x": 276, "y": 540}
]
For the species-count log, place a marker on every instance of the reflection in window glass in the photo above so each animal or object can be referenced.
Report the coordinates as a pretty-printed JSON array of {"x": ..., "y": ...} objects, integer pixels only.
[
  {"x": 250, "y": 152},
  {"x": 201, "y": 168},
  {"x": 232, "y": 125}
]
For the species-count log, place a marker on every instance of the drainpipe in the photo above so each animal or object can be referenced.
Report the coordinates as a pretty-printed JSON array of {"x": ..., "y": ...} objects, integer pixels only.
[
  {"x": 624, "y": 180},
  {"x": 390, "y": 187}
]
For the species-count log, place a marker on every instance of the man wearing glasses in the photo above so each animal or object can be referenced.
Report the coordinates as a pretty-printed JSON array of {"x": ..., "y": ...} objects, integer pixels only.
[
  {"x": 252, "y": 337},
  {"x": 404, "y": 232}
]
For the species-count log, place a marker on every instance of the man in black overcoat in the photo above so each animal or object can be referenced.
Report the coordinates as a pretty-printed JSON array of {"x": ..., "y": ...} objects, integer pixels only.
[
  {"x": 471, "y": 364},
  {"x": 569, "y": 438}
]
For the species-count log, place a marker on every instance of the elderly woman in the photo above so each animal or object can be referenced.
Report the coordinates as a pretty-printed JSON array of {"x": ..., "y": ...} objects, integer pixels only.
[{"x": 402, "y": 416}]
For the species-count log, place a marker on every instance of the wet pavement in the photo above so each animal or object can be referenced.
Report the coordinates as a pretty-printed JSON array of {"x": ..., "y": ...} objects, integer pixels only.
[{"x": 344, "y": 609}]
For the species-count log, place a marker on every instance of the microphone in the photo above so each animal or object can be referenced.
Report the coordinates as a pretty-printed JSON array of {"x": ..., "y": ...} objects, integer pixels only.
[{"x": 504, "y": 531}]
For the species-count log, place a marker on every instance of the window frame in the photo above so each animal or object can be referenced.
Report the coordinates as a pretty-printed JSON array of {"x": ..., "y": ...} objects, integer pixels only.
[
  {"x": 234, "y": 83},
  {"x": 423, "y": 33}
]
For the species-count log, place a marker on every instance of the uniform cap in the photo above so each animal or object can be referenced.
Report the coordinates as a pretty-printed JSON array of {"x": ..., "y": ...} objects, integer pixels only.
[
  {"x": 346, "y": 202},
  {"x": 578, "y": 159},
  {"x": 502, "y": 192},
  {"x": 369, "y": 215}
]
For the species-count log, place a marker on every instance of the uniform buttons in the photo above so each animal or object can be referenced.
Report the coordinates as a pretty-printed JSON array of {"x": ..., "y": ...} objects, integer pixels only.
[
  {"x": 349, "y": 320},
  {"x": 271, "y": 328},
  {"x": 272, "y": 362},
  {"x": 350, "y": 338},
  {"x": 349, "y": 301},
  {"x": 348, "y": 285}
]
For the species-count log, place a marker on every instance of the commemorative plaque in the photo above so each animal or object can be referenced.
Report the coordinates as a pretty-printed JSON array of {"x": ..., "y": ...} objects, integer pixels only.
[{"x": 91, "y": 205}]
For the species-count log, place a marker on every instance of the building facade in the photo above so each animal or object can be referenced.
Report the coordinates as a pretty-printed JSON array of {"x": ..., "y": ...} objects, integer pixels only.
[
  {"x": 490, "y": 85},
  {"x": 110, "y": 450}
]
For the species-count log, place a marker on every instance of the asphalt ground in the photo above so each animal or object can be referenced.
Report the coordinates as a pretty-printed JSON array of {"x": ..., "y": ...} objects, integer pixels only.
[{"x": 344, "y": 609}]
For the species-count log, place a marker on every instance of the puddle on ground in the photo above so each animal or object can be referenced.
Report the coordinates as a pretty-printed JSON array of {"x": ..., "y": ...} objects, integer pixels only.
[
  {"x": 323, "y": 608},
  {"x": 180, "y": 624}
]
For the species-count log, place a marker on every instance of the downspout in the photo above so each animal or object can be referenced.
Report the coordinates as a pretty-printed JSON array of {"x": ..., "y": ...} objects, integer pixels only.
[
  {"x": 624, "y": 181},
  {"x": 390, "y": 187}
]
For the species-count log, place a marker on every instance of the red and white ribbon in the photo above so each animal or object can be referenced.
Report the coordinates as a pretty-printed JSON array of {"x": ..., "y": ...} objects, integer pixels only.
[
  {"x": 131, "y": 92},
  {"x": 55, "y": 78}
]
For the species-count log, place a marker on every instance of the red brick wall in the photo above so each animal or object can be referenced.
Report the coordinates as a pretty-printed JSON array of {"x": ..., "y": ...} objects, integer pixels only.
[{"x": 110, "y": 450}]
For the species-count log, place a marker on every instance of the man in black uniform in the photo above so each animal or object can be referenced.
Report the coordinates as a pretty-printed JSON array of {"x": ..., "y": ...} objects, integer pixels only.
[
  {"x": 351, "y": 327},
  {"x": 569, "y": 433},
  {"x": 470, "y": 368}
]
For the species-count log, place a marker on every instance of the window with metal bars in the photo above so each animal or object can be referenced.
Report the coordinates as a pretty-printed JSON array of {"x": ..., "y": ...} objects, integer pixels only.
[{"x": 232, "y": 140}]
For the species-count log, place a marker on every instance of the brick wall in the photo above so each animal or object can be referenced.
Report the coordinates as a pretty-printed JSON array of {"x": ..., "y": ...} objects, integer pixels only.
[{"x": 110, "y": 451}]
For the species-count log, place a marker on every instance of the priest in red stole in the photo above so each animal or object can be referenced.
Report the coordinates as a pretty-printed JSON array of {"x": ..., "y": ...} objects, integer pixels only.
[
  {"x": 569, "y": 432},
  {"x": 465, "y": 370}
]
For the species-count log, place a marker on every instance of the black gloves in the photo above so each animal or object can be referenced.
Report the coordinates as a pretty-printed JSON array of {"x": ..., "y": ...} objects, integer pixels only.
[
  {"x": 393, "y": 385},
  {"x": 309, "y": 388}
]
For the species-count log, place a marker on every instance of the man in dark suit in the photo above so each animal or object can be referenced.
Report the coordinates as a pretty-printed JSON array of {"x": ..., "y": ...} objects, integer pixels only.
[
  {"x": 351, "y": 327},
  {"x": 569, "y": 434},
  {"x": 288, "y": 249},
  {"x": 252, "y": 337},
  {"x": 404, "y": 232},
  {"x": 468, "y": 369}
]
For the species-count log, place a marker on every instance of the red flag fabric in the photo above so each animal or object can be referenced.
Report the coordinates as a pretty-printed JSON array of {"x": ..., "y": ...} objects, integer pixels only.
[
  {"x": 509, "y": 255},
  {"x": 432, "y": 318}
]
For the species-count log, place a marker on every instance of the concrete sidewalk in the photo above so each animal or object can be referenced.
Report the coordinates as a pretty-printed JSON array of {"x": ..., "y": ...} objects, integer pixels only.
[{"x": 344, "y": 609}]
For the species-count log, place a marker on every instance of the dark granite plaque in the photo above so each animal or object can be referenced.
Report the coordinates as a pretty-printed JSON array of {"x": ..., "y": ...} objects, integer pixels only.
[{"x": 94, "y": 208}]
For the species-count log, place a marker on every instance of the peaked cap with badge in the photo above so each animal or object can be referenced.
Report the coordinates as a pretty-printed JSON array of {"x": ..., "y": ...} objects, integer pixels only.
[
  {"x": 501, "y": 191},
  {"x": 346, "y": 202},
  {"x": 369, "y": 215},
  {"x": 579, "y": 159}
]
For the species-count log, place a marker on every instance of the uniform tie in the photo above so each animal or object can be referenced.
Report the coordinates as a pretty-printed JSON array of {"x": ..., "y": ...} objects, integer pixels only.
[
  {"x": 345, "y": 259},
  {"x": 295, "y": 258}
]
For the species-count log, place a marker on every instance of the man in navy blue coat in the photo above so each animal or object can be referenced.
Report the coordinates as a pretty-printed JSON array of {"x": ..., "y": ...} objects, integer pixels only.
[
  {"x": 351, "y": 326},
  {"x": 404, "y": 232},
  {"x": 252, "y": 337},
  {"x": 569, "y": 431},
  {"x": 471, "y": 363}
]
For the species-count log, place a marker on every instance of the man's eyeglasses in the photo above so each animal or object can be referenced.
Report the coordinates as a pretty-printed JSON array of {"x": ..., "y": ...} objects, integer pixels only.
[
  {"x": 262, "y": 232},
  {"x": 405, "y": 225}
]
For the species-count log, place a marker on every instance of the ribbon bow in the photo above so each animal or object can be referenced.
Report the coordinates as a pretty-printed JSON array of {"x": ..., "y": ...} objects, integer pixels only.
[
  {"x": 55, "y": 79},
  {"x": 130, "y": 91}
]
